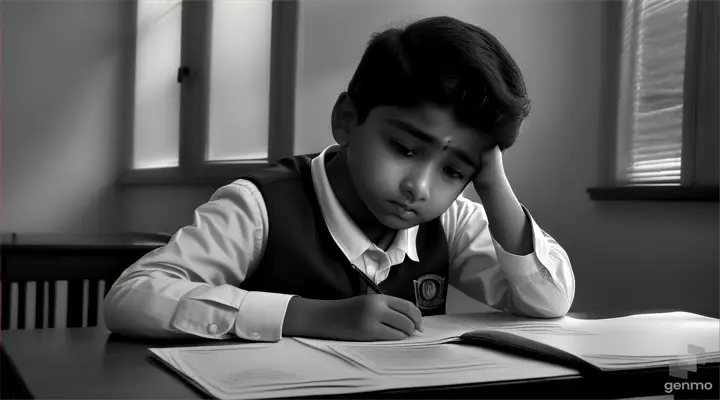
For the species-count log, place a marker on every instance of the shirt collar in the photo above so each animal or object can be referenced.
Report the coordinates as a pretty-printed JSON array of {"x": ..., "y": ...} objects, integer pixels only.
[{"x": 349, "y": 238}]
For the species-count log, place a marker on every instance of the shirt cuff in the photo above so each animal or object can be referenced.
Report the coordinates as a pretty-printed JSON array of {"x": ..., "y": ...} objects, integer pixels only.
[
  {"x": 261, "y": 315},
  {"x": 524, "y": 266},
  {"x": 209, "y": 314}
]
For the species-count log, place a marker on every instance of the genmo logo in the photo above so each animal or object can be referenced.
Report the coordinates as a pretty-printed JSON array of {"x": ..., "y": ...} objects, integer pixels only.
[
  {"x": 679, "y": 369},
  {"x": 680, "y": 366},
  {"x": 683, "y": 386}
]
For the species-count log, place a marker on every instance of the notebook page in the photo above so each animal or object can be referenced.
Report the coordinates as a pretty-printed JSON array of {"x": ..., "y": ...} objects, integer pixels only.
[
  {"x": 643, "y": 340},
  {"x": 435, "y": 358},
  {"x": 416, "y": 364},
  {"x": 265, "y": 370},
  {"x": 331, "y": 374},
  {"x": 420, "y": 358},
  {"x": 477, "y": 321}
]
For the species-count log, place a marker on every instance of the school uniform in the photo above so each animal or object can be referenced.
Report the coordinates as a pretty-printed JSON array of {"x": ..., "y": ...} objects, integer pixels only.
[{"x": 281, "y": 232}]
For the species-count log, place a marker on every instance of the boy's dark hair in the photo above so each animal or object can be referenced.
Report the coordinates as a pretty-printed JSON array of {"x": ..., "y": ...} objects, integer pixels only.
[{"x": 446, "y": 62}]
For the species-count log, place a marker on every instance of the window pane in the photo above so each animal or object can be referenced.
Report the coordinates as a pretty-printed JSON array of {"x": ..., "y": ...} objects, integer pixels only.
[
  {"x": 654, "y": 44},
  {"x": 157, "y": 92},
  {"x": 239, "y": 80}
]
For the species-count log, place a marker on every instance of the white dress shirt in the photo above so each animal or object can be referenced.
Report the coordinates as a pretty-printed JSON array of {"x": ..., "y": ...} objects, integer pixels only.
[{"x": 190, "y": 286}]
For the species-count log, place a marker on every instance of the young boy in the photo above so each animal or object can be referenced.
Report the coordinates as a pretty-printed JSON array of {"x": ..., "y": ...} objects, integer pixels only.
[{"x": 297, "y": 248}]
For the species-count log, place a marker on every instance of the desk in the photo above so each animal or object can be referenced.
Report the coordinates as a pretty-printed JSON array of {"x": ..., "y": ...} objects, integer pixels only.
[
  {"x": 67, "y": 257},
  {"x": 81, "y": 241},
  {"x": 91, "y": 363}
]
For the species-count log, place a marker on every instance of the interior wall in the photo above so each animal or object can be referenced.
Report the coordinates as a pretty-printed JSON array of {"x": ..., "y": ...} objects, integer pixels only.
[
  {"x": 625, "y": 255},
  {"x": 62, "y": 86},
  {"x": 62, "y": 117}
]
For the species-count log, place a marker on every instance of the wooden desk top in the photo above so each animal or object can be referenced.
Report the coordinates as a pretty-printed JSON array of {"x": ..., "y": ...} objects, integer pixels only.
[
  {"x": 79, "y": 363},
  {"x": 92, "y": 363}
]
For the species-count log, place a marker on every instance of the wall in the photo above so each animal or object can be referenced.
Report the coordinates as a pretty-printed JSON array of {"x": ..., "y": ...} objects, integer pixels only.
[
  {"x": 61, "y": 114},
  {"x": 626, "y": 256},
  {"x": 161, "y": 208}
]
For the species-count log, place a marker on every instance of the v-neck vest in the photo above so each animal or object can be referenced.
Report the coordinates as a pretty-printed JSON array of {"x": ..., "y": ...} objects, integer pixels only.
[{"x": 301, "y": 257}]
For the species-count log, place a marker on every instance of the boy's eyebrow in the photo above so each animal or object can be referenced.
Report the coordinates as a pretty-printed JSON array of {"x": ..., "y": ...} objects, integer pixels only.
[{"x": 427, "y": 138}]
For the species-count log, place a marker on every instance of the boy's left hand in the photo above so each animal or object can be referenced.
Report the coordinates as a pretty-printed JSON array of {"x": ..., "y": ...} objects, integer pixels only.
[
  {"x": 509, "y": 225},
  {"x": 492, "y": 172}
]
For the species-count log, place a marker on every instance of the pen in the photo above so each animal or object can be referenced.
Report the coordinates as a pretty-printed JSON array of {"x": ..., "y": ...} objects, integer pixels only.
[
  {"x": 375, "y": 287},
  {"x": 367, "y": 280}
]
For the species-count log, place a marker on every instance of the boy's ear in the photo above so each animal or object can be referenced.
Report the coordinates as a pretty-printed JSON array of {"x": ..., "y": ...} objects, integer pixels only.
[{"x": 343, "y": 119}]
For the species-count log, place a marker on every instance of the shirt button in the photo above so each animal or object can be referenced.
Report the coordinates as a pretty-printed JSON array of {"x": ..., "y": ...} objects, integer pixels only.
[{"x": 212, "y": 329}]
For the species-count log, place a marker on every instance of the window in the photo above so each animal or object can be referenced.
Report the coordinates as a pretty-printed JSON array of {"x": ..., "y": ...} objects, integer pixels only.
[
  {"x": 651, "y": 109},
  {"x": 213, "y": 89},
  {"x": 239, "y": 95},
  {"x": 667, "y": 99},
  {"x": 156, "y": 129}
]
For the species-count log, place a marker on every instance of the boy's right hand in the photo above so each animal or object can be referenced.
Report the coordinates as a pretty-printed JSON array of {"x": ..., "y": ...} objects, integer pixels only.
[{"x": 371, "y": 317}]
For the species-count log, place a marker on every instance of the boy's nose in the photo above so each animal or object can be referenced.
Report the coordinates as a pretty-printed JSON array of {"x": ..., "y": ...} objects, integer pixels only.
[{"x": 416, "y": 186}]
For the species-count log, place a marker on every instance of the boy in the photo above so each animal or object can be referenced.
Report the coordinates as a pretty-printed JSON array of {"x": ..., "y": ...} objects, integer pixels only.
[{"x": 304, "y": 247}]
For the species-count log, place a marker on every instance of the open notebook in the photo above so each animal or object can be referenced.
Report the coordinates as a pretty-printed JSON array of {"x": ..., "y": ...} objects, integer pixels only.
[
  {"x": 670, "y": 340},
  {"x": 452, "y": 350}
]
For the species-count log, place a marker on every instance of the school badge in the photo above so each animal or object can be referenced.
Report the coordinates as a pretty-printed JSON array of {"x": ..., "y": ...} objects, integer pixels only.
[{"x": 429, "y": 291}]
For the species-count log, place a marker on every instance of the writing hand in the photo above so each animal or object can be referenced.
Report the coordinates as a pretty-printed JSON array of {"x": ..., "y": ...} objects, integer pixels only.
[{"x": 371, "y": 317}]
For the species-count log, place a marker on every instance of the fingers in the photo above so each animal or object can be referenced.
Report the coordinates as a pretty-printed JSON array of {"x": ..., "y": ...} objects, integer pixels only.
[
  {"x": 398, "y": 321},
  {"x": 407, "y": 309},
  {"x": 387, "y": 332}
]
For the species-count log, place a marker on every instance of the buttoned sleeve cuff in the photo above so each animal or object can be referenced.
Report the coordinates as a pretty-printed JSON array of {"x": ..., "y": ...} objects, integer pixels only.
[
  {"x": 209, "y": 312},
  {"x": 261, "y": 315},
  {"x": 529, "y": 265},
  {"x": 542, "y": 281}
]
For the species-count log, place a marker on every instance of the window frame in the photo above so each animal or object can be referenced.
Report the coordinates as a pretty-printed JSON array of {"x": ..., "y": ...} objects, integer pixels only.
[
  {"x": 194, "y": 99},
  {"x": 698, "y": 177}
]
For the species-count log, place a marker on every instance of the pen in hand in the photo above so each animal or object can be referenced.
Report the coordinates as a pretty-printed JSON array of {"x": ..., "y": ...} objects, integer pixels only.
[{"x": 367, "y": 280}]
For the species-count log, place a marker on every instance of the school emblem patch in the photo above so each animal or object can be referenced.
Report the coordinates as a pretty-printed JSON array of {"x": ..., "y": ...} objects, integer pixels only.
[{"x": 429, "y": 291}]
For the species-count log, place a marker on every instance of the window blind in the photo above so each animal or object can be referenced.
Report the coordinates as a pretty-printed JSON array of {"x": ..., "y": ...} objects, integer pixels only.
[{"x": 654, "y": 34}]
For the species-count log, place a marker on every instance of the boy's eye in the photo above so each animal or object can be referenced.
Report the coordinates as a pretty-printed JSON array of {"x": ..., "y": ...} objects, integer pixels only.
[
  {"x": 402, "y": 149},
  {"x": 453, "y": 173}
]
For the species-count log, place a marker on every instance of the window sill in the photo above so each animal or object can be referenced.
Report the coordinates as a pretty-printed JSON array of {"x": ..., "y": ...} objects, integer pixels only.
[
  {"x": 215, "y": 176},
  {"x": 655, "y": 193}
]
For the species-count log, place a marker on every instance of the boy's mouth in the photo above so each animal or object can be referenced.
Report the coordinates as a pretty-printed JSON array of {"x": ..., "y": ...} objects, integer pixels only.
[{"x": 403, "y": 209}]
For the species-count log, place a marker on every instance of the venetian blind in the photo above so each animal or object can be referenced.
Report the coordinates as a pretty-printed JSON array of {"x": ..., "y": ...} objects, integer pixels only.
[{"x": 651, "y": 106}]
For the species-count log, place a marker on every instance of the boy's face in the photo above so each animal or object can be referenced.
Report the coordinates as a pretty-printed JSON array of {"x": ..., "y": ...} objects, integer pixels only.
[{"x": 408, "y": 164}]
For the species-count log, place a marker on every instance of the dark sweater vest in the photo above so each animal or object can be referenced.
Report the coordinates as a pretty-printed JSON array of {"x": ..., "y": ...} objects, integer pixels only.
[{"x": 301, "y": 258}]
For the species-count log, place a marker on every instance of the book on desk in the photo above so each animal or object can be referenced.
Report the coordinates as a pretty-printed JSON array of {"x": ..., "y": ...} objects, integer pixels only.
[{"x": 452, "y": 350}]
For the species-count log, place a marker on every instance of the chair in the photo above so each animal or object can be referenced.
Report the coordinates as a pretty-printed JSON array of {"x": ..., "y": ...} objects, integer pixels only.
[{"x": 86, "y": 265}]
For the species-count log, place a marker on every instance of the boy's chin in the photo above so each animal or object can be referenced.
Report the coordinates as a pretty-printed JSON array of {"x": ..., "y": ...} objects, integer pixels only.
[{"x": 397, "y": 223}]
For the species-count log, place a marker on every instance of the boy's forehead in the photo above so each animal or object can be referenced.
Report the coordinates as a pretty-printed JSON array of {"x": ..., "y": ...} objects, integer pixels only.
[
  {"x": 438, "y": 122},
  {"x": 425, "y": 113}
]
